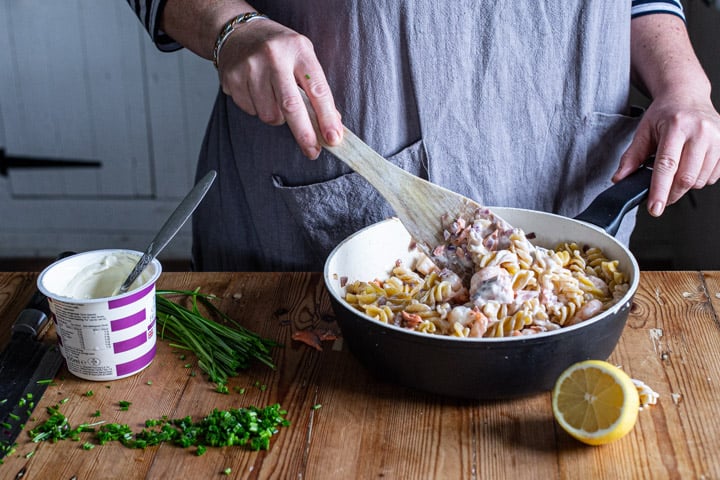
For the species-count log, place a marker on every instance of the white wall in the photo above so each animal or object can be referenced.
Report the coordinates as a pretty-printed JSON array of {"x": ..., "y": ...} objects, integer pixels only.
[{"x": 80, "y": 79}]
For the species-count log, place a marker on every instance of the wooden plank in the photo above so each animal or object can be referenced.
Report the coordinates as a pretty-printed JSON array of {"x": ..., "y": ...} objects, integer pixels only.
[
  {"x": 51, "y": 105},
  {"x": 27, "y": 245},
  {"x": 712, "y": 286},
  {"x": 91, "y": 216},
  {"x": 669, "y": 325},
  {"x": 368, "y": 428},
  {"x": 81, "y": 225},
  {"x": 181, "y": 89},
  {"x": 112, "y": 39},
  {"x": 77, "y": 93},
  {"x": 7, "y": 76},
  {"x": 403, "y": 428}
]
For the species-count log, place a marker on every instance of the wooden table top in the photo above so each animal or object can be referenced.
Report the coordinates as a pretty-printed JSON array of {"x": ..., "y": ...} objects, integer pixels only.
[{"x": 369, "y": 429}]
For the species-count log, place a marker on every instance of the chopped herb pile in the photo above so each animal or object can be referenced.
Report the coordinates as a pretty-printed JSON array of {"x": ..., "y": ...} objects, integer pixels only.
[
  {"x": 222, "y": 349},
  {"x": 250, "y": 427},
  {"x": 56, "y": 427}
]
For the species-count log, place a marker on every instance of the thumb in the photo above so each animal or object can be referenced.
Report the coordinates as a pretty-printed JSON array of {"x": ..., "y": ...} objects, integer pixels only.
[{"x": 637, "y": 152}]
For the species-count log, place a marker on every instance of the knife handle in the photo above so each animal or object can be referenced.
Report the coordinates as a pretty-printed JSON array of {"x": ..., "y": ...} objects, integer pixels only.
[
  {"x": 30, "y": 321},
  {"x": 40, "y": 301},
  {"x": 35, "y": 315}
]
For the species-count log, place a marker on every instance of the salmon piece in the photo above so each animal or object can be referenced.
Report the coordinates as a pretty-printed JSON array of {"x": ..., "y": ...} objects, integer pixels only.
[
  {"x": 308, "y": 337},
  {"x": 314, "y": 338}
]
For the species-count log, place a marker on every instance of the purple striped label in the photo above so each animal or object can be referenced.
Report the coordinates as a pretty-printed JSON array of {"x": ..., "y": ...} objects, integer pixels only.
[
  {"x": 127, "y": 322},
  {"x": 121, "y": 302},
  {"x": 130, "y": 343},
  {"x": 133, "y": 366}
]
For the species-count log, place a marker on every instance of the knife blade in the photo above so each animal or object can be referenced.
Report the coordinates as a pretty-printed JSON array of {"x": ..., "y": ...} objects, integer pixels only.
[{"x": 23, "y": 363}]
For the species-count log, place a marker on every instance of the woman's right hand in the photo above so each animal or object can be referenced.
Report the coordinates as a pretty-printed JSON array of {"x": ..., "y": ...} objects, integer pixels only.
[{"x": 262, "y": 64}]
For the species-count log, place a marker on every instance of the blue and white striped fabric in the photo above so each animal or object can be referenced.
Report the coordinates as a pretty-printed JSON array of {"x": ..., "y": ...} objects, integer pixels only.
[
  {"x": 648, "y": 7},
  {"x": 148, "y": 12}
]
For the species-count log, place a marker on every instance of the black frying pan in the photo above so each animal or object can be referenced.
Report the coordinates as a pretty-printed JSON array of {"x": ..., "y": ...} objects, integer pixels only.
[{"x": 485, "y": 368}]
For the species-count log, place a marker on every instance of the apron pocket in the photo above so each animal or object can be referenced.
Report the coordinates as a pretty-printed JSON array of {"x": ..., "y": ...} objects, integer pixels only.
[
  {"x": 328, "y": 212},
  {"x": 608, "y": 138}
]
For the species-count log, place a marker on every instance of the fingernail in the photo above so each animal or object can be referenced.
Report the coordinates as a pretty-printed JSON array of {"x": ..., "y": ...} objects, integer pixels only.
[
  {"x": 656, "y": 209},
  {"x": 313, "y": 153},
  {"x": 332, "y": 137}
]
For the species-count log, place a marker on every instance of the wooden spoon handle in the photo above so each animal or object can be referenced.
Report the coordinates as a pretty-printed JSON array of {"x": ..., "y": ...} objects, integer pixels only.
[
  {"x": 391, "y": 181},
  {"x": 420, "y": 205}
]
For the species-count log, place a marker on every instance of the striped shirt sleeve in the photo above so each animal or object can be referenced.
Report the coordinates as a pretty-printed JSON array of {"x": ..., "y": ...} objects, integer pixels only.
[
  {"x": 649, "y": 7},
  {"x": 148, "y": 12}
]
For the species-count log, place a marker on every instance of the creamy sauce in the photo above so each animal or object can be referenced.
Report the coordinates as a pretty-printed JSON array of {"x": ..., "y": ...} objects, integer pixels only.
[{"x": 101, "y": 279}]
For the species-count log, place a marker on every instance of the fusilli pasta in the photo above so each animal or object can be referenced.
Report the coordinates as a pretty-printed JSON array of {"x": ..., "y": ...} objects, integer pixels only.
[{"x": 489, "y": 280}]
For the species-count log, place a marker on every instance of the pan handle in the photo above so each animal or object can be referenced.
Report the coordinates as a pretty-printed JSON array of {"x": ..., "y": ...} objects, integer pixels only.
[{"x": 609, "y": 208}]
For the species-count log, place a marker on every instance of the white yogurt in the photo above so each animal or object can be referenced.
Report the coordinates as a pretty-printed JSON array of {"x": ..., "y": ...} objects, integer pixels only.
[{"x": 103, "y": 277}]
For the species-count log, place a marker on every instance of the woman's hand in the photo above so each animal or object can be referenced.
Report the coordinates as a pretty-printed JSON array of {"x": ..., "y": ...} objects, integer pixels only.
[
  {"x": 681, "y": 126},
  {"x": 261, "y": 66},
  {"x": 684, "y": 134}
]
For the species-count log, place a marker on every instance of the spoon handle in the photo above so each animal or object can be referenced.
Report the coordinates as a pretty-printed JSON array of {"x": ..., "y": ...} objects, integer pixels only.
[{"x": 172, "y": 225}]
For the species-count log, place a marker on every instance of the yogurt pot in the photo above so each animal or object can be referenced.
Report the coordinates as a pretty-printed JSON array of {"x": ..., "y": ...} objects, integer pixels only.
[{"x": 102, "y": 336}]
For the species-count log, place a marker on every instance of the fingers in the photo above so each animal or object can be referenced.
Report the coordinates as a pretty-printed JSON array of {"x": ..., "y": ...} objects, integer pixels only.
[
  {"x": 686, "y": 142},
  {"x": 681, "y": 164},
  {"x": 309, "y": 75},
  {"x": 318, "y": 92},
  {"x": 663, "y": 174},
  {"x": 688, "y": 171},
  {"x": 715, "y": 174},
  {"x": 710, "y": 172},
  {"x": 298, "y": 119},
  {"x": 261, "y": 71}
]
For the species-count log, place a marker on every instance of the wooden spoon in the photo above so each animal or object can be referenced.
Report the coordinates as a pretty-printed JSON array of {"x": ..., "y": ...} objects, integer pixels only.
[{"x": 420, "y": 205}]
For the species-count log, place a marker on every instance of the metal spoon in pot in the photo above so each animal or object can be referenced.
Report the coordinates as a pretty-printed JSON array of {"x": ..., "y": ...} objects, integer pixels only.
[{"x": 172, "y": 225}]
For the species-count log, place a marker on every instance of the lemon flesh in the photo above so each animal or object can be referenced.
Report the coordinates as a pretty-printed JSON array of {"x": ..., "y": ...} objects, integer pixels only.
[{"x": 595, "y": 402}]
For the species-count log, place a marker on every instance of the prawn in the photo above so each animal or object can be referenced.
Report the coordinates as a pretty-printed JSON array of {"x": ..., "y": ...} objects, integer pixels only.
[
  {"x": 587, "y": 311},
  {"x": 491, "y": 284},
  {"x": 469, "y": 317}
]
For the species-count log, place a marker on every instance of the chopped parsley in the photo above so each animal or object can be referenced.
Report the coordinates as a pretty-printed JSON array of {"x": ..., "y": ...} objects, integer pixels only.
[{"x": 250, "y": 427}]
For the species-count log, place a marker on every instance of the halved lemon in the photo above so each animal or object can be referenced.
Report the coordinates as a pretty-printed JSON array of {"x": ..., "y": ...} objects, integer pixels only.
[{"x": 595, "y": 402}]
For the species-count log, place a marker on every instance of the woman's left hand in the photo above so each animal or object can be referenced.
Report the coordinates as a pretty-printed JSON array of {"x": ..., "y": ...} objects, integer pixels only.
[
  {"x": 683, "y": 133},
  {"x": 681, "y": 126}
]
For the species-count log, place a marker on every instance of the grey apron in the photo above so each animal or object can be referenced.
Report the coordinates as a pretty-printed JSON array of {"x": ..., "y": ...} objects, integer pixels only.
[{"x": 511, "y": 103}]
